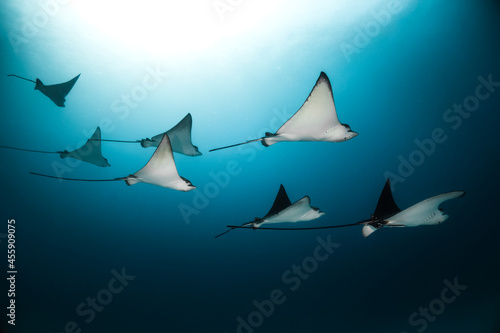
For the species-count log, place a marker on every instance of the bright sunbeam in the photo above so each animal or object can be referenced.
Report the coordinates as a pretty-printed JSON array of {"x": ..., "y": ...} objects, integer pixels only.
[{"x": 168, "y": 27}]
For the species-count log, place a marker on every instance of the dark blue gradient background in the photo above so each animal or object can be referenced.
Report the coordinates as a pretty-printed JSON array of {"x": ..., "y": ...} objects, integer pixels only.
[{"x": 393, "y": 90}]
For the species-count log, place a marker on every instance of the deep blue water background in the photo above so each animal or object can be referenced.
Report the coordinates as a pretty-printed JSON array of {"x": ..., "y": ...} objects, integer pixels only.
[{"x": 394, "y": 91}]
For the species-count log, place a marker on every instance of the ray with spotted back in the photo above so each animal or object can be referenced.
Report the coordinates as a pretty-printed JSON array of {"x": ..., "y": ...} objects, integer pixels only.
[
  {"x": 56, "y": 92},
  {"x": 160, "y": 171},
  {"x": 316, "y": 120},
  {"x": 283, "y": 211}
]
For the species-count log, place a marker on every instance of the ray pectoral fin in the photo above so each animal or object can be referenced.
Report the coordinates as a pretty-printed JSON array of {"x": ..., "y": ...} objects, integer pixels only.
[
  {"x": 434, "y": 202},
  {"x": 65, "y": 88},
  {"x": 368, "y": 230},
  {"x": 386, "y": 206},
  {"x": 280, "y": 202},
  {"x": 426, "y": 211}
]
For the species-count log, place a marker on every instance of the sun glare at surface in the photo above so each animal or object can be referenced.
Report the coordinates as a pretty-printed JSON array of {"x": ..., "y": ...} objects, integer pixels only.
[{"x": 168, "y": 27}]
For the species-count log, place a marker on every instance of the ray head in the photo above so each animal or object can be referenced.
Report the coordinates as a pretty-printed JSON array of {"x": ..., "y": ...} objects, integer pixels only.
[
  {"x": 315, "y": 213},
  {"x": 347, "y": 133},
  {"x": 185, "y": 185},
  {"x": 340, "y": 133}
]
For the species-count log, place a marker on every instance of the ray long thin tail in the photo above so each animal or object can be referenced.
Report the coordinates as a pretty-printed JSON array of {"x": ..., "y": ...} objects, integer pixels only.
[
  {"x": 23, "y": 78},
  {"x": 241, "y": 226},
  {"x": 78, "y": 179},
  {"x": 225, "y": 232},
  {"x": 308, "y": 228},
  {"x": 121, "y": 141},
  {"x": 33, "y": 151},
  {"x": 238, "y": 144}
]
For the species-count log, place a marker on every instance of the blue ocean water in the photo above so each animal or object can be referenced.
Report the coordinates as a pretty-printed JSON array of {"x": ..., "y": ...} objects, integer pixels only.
[{"x": 419, "y": 82}]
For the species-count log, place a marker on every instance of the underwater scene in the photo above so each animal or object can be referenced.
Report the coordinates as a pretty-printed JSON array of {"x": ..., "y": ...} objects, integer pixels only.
[{"x": 244, "y": 166}]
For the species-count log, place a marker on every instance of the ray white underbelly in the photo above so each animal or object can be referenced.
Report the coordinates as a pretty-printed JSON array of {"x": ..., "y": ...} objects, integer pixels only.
[
  {"x": 307, "y": 136},
  {"x": 415, "y": 218}
]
